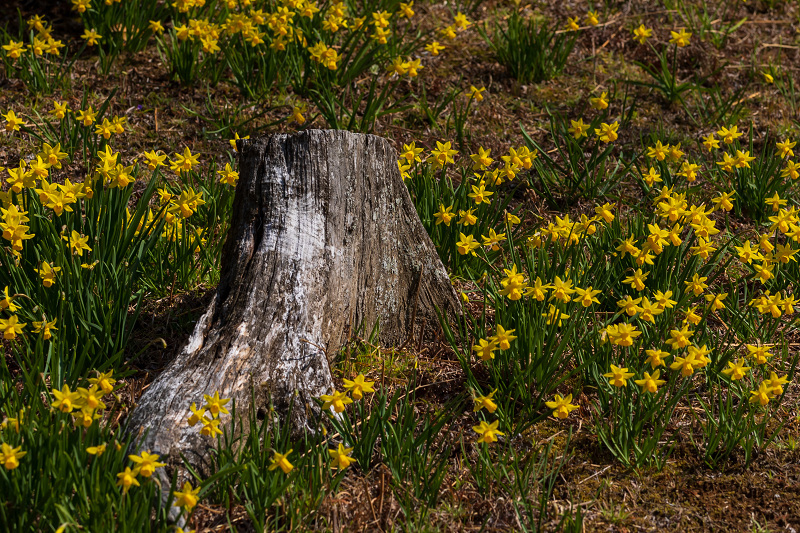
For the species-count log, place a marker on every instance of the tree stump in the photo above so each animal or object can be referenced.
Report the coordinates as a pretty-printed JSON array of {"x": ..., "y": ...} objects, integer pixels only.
[{"x": 323, "y": 239}]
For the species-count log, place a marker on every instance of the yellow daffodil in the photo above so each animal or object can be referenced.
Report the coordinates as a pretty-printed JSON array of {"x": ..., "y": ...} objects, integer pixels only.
[
  {"x": 561, "y": 407},
  {"x": 488, "y": 432}
]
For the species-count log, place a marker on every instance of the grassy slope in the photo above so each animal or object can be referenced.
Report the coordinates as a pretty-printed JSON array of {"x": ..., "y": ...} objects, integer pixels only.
[{"x": 685, "y": 496}]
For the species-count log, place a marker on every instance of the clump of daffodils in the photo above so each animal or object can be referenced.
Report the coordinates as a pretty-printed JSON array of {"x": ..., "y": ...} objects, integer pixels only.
[
  {"x": 85, "y": 404},
  {"x": 336, "y": 401},
  {"x": 355, "y": 387},
  {"x": 209, "y": 414}
]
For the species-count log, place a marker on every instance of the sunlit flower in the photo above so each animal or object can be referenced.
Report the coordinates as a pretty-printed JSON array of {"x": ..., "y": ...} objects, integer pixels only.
[
  {"x": 341, "y": 457},
  {"x": 357, "y": 387},
  {"x": 618, "y": 376},
  {"x": 600, "y": 102},
  {"x": 650, "y": 383},
  {"x": 607, "y": 132},
  {"x": 281, "y": 460},
  {"x": 642, "y": 33},
  {"x": 680, "y": 38},
  {"x": 561, "y": 407},
  {"x": 91, "y": 37},
  {"x": 485, "y": 402},
  {"x": 488, "y": 432}
]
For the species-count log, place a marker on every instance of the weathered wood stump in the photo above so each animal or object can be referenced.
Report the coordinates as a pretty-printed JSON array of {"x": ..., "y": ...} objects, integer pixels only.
[{"x": 324, "y": 238}]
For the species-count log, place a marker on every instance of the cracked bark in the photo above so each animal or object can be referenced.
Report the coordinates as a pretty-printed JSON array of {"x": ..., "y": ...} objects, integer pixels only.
[{"x": 324, "y": 239}]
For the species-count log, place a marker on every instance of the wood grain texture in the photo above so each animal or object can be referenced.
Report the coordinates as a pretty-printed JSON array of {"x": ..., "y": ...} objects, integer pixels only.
[{"x": 324, "y": 238}]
